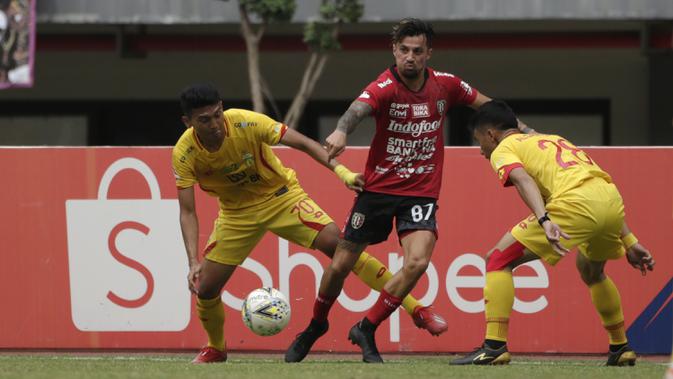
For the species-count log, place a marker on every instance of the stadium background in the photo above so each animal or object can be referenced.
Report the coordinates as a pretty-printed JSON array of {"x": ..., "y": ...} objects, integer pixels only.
[{"x": 597, "y": 72}]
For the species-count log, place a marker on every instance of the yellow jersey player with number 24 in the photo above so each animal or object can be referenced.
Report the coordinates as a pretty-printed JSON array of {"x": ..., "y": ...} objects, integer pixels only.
[{"x": 574, "y": 204}]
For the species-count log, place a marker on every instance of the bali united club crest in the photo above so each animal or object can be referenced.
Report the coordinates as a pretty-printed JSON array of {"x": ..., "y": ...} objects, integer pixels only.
[
  {"x": 441, "y": 106},
  {"x": 357, "y": 219}
]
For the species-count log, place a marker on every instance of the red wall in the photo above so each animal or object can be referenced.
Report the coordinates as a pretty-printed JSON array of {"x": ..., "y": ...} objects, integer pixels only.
[{"x": 62, "y": 273}]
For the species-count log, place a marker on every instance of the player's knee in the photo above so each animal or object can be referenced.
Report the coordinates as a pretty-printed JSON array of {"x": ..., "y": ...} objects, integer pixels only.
[
  {"x": 590, "y": 272},
  {"x": 591, "y": 276},
  {"x": 327, "y": 240},
  {"x": 339, "y": 269},
  {"x": 208, "y": 290},
  {"x": 416, "y": 266},
  {"x": 497, "y": 260}
]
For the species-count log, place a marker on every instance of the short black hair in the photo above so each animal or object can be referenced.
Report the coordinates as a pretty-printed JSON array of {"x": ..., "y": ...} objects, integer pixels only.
[
  {"x": 495, "y": 113},
  {"x": 197, "y": 96},
  {"x": 410, "y": 27}
]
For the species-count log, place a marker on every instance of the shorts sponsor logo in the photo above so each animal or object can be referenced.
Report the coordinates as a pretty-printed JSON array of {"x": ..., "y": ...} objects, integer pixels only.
[
  {"x": 414, "y": 128},
  {"x": 385, "y": 83},
  {"x": 364, "y": 95},
  {"x": 420, "y": 110},
  {"x": 357, "y": 220}
]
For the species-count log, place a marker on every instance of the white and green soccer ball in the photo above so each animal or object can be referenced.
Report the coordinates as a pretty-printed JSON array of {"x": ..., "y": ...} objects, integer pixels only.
[{"x": 266, "y": 311}]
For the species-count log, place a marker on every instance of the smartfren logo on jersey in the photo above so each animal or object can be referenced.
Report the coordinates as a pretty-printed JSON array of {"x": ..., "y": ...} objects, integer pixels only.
[{"x": 420, "y": 110}]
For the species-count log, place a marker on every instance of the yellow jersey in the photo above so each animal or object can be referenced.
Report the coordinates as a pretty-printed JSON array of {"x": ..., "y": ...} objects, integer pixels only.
[
  {"x": 556, "y": 165},
  {"x": 244, "y": 172}
]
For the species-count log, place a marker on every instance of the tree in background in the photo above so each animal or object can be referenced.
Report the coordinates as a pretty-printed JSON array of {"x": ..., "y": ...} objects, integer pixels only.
[
  {"x": 320, "y": 36},
  {"x": 268, "y": 11}
]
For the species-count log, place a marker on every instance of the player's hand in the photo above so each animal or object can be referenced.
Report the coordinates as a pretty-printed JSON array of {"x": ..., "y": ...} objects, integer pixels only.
[
  {"x": 640, "y": 258},
  {"x": 554, "y": 234},
  {"x": 352, "y": 180},
  {"x": 523, "y": 128},
  {"x": 335, "y": 143},
  {"x": 358, "y": 184},
  {"x": 193, "y": 276}
]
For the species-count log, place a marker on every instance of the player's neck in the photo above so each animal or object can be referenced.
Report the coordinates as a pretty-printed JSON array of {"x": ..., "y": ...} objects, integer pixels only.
[
  {"x": 413, "y": 84},
  {"x": 507, "y": 133},
  {"x": 210, "y": 144}
]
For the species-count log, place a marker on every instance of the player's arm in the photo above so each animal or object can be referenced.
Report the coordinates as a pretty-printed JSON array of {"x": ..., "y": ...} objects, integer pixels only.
[
  {"x": 189, "y": 224},
  {"x": 300, "y": 142},
  {"x": 481, "y": 99},
  {"x": 636, "y": 254},
  {"x": 336, "y": 142},
  {"x": 530, "y": 194}
]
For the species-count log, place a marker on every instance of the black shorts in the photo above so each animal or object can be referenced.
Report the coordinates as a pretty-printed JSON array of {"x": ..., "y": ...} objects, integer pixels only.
[{"x": 371, "y": 219}]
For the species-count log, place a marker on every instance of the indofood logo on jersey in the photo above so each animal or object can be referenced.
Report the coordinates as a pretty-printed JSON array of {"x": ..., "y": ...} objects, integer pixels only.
[{"x": 414, "y": 128}]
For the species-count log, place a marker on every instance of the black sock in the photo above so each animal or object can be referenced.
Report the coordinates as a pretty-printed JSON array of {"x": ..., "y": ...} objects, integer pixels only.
[
  {"x": 614, "y": 348},
  {"x": 495, "y": 345}
]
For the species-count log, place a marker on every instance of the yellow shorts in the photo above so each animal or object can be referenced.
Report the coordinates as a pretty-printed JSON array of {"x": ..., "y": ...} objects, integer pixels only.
[
  {"x": 291, "y": 215},
  {"x": 592, "y": 215}
]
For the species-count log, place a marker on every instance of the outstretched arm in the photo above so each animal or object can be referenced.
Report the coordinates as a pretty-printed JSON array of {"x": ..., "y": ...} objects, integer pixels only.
[
  {"x": 189, "y": 224},
  {"x": 636, "y": 254},
  {"x": 336, "y": 142},
  {"x": 531, "y": 196},
  {"x": 300, "y": 142}
]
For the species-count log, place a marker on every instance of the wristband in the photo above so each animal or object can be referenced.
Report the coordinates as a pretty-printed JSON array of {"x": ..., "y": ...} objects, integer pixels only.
[
  {"x": 346, "y": 175},
  {"x": 544, "y": 218},
  {"x": 629, "y": 240}
]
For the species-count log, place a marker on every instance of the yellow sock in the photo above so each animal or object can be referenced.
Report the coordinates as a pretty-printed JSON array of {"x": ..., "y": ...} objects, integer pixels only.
[
  {"x": 371, "y": 271},
  {"x": 211, "y": 314},
  {"x": 608, "y": 303},
  {"x": 499, "y": 300}
]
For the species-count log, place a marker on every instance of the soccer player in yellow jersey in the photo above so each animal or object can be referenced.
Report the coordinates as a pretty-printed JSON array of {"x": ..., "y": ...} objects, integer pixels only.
[
  {"x": 228, "y": 153},
  {"x": 574, "y": 203}
]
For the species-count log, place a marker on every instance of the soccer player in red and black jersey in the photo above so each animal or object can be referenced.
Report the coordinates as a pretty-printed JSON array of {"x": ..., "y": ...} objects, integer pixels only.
[{"x": 402, "y": 179}]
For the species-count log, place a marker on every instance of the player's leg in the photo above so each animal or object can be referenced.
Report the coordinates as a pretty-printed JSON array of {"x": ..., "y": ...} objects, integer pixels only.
[
  {"x": 416, "y": 228},
  {"x": 375, "y": 274},
  {"x": 417, "y": 247},
  {"x": 230, "y": 243},
  {"x": 607, "y": 301},
  {"x": 608, "y": 210},
  {"x": 498, "y": 300},
  {"x": 369, "y": 221},
  {"x": 331, "y": 283},
  {"x": 210, "y": 309}
]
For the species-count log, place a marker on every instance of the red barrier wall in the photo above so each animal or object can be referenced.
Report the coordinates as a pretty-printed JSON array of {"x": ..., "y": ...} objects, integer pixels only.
[{"x": 83, "y": 269}]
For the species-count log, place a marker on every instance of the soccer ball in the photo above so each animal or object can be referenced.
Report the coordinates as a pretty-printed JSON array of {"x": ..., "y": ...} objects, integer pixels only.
[{"x": 266, "y": 311}]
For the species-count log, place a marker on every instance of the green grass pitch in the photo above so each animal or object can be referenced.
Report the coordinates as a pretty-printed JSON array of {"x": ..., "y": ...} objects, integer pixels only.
[{"x": 270, "y": 366}]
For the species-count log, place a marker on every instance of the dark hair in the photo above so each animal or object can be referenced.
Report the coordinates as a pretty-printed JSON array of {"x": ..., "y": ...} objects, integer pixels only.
[
  {"x": 495, "y": 113},
  {"x": 410, "y": 27},
  {"x": 197, "y": 96}
]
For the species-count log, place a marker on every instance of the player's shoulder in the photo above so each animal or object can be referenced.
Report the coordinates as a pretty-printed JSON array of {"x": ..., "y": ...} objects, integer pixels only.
[
  {"x": 237, "y": 114},
  {"x": 440, "y": 75},
  {"x": 185, "y": 147},
  {"x": 385, "y": 81}
]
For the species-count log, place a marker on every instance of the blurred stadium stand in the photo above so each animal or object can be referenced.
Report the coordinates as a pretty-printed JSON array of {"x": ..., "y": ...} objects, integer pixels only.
[{"x": 108, "y": 72}]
